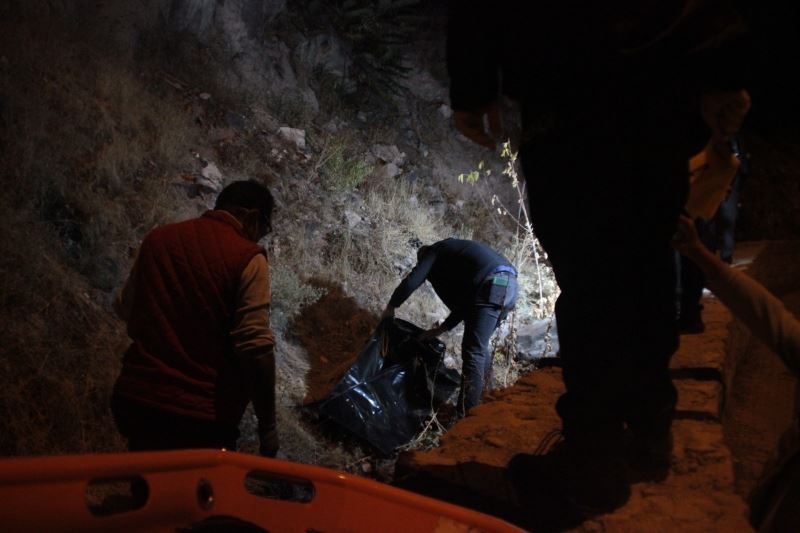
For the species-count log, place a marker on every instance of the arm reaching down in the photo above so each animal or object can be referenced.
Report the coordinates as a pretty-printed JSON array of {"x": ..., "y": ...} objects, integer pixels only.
[
  {"x": 254, "y": 344},
  {"x": 748, "y": 300}
]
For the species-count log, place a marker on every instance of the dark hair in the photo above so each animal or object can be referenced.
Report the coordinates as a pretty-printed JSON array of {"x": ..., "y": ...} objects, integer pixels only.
[{"x": 248, "y": 195}]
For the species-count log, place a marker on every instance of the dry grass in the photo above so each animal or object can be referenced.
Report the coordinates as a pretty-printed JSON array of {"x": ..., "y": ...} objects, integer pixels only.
[
  {"x": 93, "y": 151},
  {"x": 90, "y": 150},
  {"x": 59, "y": 347}
]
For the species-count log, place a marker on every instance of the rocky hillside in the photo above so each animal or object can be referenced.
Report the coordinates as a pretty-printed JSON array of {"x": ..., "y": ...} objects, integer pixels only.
[{"x": 118, "y": 117}]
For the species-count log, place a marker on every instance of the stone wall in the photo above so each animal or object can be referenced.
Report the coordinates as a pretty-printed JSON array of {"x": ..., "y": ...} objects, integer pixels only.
[{"x": 761, "y": 394}]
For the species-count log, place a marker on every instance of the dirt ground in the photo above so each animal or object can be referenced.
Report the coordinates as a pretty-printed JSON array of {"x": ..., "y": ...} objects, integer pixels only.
[
  {"x": 333, "y": 330},
  {"x": 734, "y": 402},
  {"x": 698, "y": 495}
]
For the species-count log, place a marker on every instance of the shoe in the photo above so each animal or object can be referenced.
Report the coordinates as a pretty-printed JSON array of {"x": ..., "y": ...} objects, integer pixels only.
[{"x": 567, "y": 485}]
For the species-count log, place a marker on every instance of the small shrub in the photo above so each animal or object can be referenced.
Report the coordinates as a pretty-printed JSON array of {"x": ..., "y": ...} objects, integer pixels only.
[
  {"x": 343, "y": 174},
  {"x": 340, "y": 170}
]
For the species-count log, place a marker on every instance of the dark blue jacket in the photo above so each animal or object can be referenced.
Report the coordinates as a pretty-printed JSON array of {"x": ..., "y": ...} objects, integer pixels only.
[{"x": 455, "y": 268}]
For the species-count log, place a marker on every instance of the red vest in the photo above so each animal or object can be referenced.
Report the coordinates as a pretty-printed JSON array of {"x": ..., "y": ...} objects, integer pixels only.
[{"x": 186, "y": 281}]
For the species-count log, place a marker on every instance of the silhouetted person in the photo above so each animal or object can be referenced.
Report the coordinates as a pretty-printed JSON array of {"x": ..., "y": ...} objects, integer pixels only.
[
  {"x": 717, "y": 234},
  {"x": 197, "y": 308},
  {"x": 479, "y": 286},
  {"x": 613, "y": 97}
]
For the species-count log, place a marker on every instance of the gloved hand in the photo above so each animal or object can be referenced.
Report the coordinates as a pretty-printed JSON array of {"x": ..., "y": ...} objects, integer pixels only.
[
  {"x": 430, "y": 334},
  {"x": 268, "y": 440}
]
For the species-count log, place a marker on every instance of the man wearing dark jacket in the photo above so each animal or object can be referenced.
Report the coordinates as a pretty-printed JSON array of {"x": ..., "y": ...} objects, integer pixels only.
[
  {"x": 613, "y": 97},
  {"x": 479, "y": 286},
  {"x": 197, "y": 308}
]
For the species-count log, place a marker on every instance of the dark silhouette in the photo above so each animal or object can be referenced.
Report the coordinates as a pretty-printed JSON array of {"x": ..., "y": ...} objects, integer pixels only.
[
  {"x": 718, "y": 235},
  {"x": 615, "y": 98}
]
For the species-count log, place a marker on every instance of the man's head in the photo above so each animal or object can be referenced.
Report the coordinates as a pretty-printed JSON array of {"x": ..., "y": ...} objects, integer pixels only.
[{"x": 251, "y": 203}]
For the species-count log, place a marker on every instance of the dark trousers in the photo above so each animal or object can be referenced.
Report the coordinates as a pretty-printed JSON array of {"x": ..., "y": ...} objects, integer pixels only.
[
  {"x": 606, "y": 215},
  {"x": 691, "y": 278},
  {"x": 150, "y": 429},
  {"x": 725, "y": 221},
  {"x": 492, "y": 304},
  {"x": 717, "y": 234}
]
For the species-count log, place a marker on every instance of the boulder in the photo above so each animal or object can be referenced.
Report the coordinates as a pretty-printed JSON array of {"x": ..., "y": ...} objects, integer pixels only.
[{"x": 537, "y": 340}]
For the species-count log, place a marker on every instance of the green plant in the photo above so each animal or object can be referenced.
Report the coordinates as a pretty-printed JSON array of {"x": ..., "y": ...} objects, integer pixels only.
[
  {"x": 340, "y": 170},
  {"x": 342, "y": 173},
  {"x": 289, "y": 295}
]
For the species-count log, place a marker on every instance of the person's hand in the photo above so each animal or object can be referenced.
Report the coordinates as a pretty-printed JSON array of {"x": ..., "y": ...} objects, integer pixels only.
[
  {"x": 471, "y": 124},
  {"x": 268, "y": 440},
  {"x": 686, "y": 239},
  {"x": 387, "y": 313},
  {"x": 430, "y": 334}
]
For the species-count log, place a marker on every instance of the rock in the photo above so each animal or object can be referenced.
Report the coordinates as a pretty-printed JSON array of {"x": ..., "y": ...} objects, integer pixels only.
[
  {"x": 537, "y": 340},
  {"x": 204, "y": 96},
  {"x": 334, "y": 125},
  {"x": 236, "y": 121},
  {"x": 234, "y": 19},
  {"x": 424, "y": 86},
  {"x": 445, "y": 111},
  {"x": 385, "y": 171},
  {"x": 263, "y": 119},
  {"x": 324, "y": 53},
  {"x": 211, "y": 178},
  {"x": 218, "y": 135},
  {"x": 388, "y": 153},
  {"x": 293, "y": 135},
  {"x": 352, "y": 219},
  {"x": 403, "y": 264},
  {"x": 310, "y": 100},
  {"x": 279, "y": 73}
]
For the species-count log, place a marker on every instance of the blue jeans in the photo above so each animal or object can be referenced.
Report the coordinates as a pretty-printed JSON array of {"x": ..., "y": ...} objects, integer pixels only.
[{"x": 493, "y": 302}]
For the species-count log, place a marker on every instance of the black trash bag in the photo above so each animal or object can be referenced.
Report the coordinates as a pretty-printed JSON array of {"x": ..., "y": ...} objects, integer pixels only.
[{"x": 391, "y": 389}]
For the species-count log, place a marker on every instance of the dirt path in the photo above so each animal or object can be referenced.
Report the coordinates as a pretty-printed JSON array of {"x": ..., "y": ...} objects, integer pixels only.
[{"x": 698, "y": 495}]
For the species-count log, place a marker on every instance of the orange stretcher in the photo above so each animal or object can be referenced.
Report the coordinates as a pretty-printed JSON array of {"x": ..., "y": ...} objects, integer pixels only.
[{"x": 210, "y": 490}]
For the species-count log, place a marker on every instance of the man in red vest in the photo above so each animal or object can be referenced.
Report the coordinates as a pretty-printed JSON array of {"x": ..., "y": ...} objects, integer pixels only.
[{"x": 197, "y": 308}]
